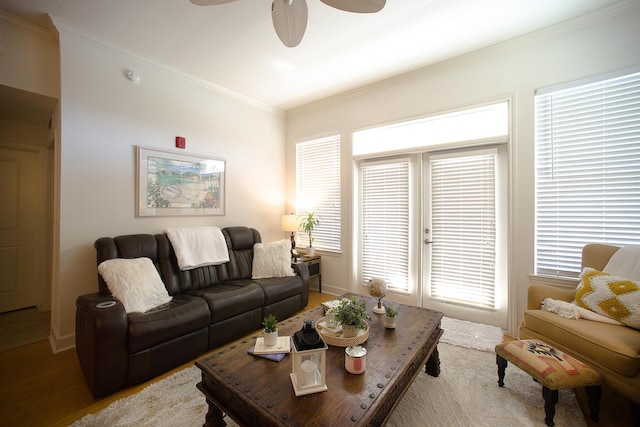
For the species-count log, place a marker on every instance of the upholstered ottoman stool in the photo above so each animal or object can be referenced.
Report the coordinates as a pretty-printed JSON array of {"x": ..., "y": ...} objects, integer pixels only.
[{"x": 553, "y": 369}]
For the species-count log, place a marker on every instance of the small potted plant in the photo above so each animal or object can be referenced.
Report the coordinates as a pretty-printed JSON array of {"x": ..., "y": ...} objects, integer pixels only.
[
  {"x": 308, "y": 223},
  {"x": 352, "y": 314},
  {"x": 391, "y": 312},
  {"x": 270, "y": 324}
]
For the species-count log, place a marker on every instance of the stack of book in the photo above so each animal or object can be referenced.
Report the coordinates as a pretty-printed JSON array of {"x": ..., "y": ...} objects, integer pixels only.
[{"x": 272, "y": 352}]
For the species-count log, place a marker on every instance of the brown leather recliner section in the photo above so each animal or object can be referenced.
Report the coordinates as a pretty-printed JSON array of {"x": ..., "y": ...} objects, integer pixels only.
[{"x": 210, "y": 306}]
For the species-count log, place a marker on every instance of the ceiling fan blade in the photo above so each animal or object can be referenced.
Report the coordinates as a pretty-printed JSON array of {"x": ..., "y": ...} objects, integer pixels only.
[
  {"x": 210, "y": 2},
  {"x": 357, "y": 6},
  {"x": 290, "y": 20}
]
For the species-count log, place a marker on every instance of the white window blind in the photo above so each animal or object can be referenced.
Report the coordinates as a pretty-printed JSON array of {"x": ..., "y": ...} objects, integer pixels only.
[
  {"x": 587, "y": 171},
  {"x": 463, "y": 228},
  {"x": 318, "y": 189},
  {"x": 385, "y": 222}
]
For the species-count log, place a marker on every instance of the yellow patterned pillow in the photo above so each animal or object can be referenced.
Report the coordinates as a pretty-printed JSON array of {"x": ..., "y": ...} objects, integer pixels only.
[{"x": 611, "y": 296}]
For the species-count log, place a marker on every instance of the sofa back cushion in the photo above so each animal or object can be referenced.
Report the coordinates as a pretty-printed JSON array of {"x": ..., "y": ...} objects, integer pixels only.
[
  {"x": 178, "y": 281},
  {"x": 240, "y": 241}
]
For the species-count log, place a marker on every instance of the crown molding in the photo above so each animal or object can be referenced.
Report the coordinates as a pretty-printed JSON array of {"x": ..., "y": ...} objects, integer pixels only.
[
  {"x": 61, "y": 24},
  {"x": 603, "y": 14},
  {"x": 28, "y": 25}
]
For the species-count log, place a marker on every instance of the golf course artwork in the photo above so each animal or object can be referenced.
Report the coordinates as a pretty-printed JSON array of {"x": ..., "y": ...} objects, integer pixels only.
[{"x": 176, "y": 184}]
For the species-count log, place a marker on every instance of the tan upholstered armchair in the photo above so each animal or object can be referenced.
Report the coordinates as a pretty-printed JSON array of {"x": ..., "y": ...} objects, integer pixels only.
[{"x": 612, "y": 350}]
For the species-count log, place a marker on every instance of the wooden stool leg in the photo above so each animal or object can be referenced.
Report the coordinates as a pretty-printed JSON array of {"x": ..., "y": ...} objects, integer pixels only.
[
  {"x": 502, "y": 365},
  {"x": 550, "y": 399},
  {"x": 635, "y": 413},
  {"x": 594, "y": 393}
]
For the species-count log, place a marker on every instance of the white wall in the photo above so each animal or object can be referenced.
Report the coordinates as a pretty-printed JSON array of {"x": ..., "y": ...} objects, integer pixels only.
[
  {"x": 578, "y": 49},
  {"x": 103, "y": 118}
]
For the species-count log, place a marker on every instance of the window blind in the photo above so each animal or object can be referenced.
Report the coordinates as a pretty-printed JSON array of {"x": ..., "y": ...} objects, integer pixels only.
[
  {"x": 318, "y": 189},
  {"x": 587, "y": 171},
  {"x": 385, "y": 222},
  {"x": 463, "y": 229}
]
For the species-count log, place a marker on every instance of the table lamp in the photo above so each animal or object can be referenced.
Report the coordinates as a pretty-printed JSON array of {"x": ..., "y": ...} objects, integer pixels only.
[{"x": 290, "y": 223}]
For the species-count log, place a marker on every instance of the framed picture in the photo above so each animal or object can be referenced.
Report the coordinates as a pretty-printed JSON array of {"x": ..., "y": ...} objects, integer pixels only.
[{"x": 177, "y": 184}]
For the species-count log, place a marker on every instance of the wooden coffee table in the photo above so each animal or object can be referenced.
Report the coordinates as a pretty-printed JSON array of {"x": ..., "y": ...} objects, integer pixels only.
[{"x": 257, "y": 392}]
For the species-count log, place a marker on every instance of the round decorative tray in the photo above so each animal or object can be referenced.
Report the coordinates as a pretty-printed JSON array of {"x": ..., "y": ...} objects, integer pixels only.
[{"x": 340, "y": 341}]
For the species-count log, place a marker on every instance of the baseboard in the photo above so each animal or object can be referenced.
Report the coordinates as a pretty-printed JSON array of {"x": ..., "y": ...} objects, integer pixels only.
[{"x": 59, "y": 344}]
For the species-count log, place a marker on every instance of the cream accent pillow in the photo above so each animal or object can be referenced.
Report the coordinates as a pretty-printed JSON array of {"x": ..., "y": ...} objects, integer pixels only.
[
  {"x": 272, "y": 260},
  {"x": 610, "y": 296},
  {"x": 135, "y": 282}
]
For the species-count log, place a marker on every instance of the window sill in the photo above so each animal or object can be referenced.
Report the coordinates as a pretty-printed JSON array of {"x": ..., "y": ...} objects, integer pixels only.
[{"x": 559, "y": 282}]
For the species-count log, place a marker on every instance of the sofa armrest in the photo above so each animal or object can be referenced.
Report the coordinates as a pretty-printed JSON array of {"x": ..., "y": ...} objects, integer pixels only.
[
  {"x": 101, "y": 342},
  {"x": 538, "y": 292},
  {"x": 302, "y": 270}
]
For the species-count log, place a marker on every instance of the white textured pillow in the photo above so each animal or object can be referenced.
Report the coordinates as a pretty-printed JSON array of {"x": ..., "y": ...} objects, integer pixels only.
[
  {"x": 272, "y": 260},
  {"x": 135, "y": 282}
]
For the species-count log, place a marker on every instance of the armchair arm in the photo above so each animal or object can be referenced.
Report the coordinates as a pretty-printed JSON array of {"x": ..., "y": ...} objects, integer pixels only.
[
  {"x": 101, "y": 342},
  {"x": 537, "y": 292}
]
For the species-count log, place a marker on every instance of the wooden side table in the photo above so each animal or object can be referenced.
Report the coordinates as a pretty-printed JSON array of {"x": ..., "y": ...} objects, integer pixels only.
[{"x": 313, "y": 263}]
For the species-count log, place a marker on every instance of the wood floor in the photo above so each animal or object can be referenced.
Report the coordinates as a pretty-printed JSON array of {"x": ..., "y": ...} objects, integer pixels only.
[{"x": 38, "y": 388}]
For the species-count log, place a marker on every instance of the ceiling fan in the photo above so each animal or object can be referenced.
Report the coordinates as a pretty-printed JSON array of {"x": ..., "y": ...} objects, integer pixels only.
[{"x": 290, "y": 16}]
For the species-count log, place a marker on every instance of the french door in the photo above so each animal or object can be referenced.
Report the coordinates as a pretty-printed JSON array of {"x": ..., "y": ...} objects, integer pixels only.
[
  {"x": 434, "y": 226},
  {"x": 464, "y": 271}
]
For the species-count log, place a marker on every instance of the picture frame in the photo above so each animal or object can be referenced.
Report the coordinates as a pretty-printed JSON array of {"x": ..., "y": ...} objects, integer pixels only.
[{"x": 169, "y": 183}]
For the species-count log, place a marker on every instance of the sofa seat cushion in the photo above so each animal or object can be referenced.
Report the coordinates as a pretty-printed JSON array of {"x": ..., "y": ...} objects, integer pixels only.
[
  {"x": 232, "y": 298},
  {"x": 612, "y": 346},
  {"x": 279, "y": 289},
  {"x": 181, "y": 316}
]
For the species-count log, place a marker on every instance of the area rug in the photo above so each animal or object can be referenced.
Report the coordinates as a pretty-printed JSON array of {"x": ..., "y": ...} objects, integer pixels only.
[{"x": 466, "y": 393}]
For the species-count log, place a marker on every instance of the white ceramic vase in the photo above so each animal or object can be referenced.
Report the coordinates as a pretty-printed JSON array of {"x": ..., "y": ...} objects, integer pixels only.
[
  {"x": 271, "y": 338},
  {"x": 311, "y": 251},
  {"x": 389, "y": 322}
]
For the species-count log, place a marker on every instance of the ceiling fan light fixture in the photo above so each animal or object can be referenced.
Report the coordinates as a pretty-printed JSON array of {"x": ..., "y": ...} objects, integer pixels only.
[{"x": 290, "y": 16}]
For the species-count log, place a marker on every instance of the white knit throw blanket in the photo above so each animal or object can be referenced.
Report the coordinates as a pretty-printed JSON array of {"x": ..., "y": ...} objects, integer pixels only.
[{"x": 569, "y": 310}]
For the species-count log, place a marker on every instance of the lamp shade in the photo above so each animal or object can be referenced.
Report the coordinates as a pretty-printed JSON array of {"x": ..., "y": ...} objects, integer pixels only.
[{"x": 289, "y": 223}]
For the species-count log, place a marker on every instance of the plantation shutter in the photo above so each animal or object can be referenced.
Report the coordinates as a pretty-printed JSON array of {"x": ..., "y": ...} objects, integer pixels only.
[
  {"x": 385, "y": 223},
  {"x": 587, "y": 171},
  {"x": 318, "y": 190},
  {"x": 463, "y": 228}
]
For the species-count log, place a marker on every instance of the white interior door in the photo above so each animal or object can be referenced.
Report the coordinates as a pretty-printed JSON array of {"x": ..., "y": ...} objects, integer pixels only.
[{"x": 21, "y": 227}]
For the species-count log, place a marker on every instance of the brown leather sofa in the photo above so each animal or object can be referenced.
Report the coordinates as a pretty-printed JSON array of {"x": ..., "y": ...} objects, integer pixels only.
[
  {"x": 612, "y": 350},
  {"x": 210, "y": 306}
]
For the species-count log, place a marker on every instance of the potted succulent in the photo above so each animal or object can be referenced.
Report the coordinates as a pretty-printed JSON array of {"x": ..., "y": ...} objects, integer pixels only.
[
  {"x": 270, "y": 324},
  {"x": 308, "y": 223},
  {"x": 391, "y": 312},
  {"x": 352, "y": 314}
]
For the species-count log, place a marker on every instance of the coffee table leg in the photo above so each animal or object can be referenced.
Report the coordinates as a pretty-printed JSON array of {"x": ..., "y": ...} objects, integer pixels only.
[
  {"x": 214, "y": 416},
  {"x": 432, "y": 367}
]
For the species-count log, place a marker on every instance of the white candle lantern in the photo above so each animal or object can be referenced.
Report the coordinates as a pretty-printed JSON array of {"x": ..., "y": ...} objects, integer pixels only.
[{"x": 308, "y": 361}]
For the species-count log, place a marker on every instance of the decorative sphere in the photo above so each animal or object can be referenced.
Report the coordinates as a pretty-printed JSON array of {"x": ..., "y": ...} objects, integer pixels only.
[{"x": 377, "y": 287}]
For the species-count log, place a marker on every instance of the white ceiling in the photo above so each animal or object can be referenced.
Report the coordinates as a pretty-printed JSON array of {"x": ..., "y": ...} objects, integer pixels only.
[{"x": 233, "y": 46}]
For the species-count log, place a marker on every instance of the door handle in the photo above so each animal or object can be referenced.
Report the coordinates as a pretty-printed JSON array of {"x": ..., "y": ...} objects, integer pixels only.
[{"x": 428, "y": 242}]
